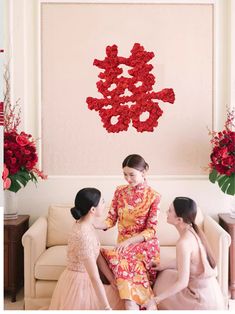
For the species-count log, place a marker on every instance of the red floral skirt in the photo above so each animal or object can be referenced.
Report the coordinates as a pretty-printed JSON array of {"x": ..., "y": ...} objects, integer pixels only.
[{"x": 133, "y": 270}]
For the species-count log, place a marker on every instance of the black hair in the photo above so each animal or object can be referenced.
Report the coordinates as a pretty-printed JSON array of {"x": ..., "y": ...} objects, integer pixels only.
[
  {"x": 84, "y": 200},
  {"x": 135, "y": 161},
  {"x": 186, "y": 208}
]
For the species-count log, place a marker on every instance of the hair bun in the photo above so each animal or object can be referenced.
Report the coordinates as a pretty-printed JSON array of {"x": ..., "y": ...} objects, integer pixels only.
[{"x": 76, "y": 213}]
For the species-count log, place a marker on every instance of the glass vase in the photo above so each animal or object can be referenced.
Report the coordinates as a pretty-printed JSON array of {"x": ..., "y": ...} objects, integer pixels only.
[{"x": 10, "y": 205}]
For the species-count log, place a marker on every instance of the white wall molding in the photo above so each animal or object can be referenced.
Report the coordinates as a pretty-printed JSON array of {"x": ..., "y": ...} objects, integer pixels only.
[{"x": 120, "y": 177}]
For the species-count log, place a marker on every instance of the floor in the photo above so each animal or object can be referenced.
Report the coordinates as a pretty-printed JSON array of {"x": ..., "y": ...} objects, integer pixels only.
[{"x": 19, "y": 304}]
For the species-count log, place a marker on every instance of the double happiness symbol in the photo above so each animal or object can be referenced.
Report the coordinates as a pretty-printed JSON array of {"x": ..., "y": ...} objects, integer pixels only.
[{"x": 125, "y": 99}]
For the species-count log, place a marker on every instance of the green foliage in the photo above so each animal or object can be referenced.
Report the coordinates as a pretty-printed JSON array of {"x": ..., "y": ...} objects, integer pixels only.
[
  {"x": 20, "y": 179},
  {"x": 226, "y": 183}
]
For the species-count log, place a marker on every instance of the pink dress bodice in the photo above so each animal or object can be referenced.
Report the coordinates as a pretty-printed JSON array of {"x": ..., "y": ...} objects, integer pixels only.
[{"x": 82, "y": 243}]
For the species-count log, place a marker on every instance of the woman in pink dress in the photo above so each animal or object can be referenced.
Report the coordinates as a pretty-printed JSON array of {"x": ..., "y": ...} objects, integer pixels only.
[
  {"x": 135, "y": 208},
  {"x": 189, "y": 283},
  {"x": 79, "y": 286}
]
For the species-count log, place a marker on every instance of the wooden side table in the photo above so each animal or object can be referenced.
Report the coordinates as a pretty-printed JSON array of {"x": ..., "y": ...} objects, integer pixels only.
[
  {"x": 14, "y": 254},
  {"x": 228, "y": 224}
]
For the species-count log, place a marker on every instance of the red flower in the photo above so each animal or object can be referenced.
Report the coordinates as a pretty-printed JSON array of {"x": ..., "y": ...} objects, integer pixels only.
[
  {"x": 139, "y": 87},
  {"x": 20, "y": 155},
  {"x": 6, "y": 180},
  {"x": 22, "y": 139},
  {"x": 222, "y": 164}
]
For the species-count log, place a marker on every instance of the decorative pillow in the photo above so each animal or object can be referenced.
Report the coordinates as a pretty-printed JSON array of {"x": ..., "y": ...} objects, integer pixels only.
[{"x": 60, "y": 223}]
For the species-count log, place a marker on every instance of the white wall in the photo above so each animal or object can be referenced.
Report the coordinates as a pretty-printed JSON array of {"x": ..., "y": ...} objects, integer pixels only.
[
  {"x": 35, "y": 200},
  {"x": 25, "y": 50}
]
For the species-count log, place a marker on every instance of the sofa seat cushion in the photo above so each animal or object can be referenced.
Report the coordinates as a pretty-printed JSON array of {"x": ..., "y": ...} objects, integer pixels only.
[
  {"x": 51, "y": 263},
  {"x": 45, "y": 288}
]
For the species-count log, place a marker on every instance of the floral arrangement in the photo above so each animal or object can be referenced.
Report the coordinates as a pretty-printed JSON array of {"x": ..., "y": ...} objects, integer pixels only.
[
  {"x": 20, "y": 154},
  {"x": 139, "y": 86},
  {"x": 222, "y": 164}
]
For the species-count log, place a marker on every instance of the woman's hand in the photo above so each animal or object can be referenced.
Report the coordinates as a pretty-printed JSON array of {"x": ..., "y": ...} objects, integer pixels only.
[
  {"x": 120, "y": 247},
  {"x": 151, "y": 305}
]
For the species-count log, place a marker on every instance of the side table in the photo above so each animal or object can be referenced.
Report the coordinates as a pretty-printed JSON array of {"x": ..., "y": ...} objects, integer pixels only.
[
  {"x": 228, "y": 224},
  {"x": 14, "y": 254}
]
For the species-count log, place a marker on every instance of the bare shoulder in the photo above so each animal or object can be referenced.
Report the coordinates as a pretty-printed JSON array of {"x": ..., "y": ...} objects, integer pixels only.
[{"x": 185, "y": 242}]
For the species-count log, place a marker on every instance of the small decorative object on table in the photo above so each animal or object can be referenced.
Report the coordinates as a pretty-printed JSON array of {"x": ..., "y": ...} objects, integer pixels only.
[
  {"x": 222, "y": 166},
  {"x": 20, "y": 155}
]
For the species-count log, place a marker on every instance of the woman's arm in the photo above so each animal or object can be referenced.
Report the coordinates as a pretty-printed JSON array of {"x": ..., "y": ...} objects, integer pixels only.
[
  {"x": 150, "y": 229},
  {"x": 103, "y": 267},
  {"x": 151, "y": 225},
  {"x": 183, "y": 254},
  {"x": 112, "y": 216},
  {"x": 92, "y": 270}
]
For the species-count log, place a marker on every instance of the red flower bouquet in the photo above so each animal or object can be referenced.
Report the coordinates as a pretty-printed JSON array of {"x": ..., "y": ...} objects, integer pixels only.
[
  {"x": 20, "y": 154},
  {"x": 223, "y": 157}
]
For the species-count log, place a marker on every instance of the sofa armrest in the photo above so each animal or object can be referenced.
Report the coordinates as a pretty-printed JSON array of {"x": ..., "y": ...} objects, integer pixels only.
[
  {"x": 34, "y": 243},
  {"x": 219, "y": 240}
]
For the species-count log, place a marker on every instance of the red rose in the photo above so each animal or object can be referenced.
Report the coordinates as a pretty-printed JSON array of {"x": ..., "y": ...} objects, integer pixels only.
[{"x": 22, "y": 139}]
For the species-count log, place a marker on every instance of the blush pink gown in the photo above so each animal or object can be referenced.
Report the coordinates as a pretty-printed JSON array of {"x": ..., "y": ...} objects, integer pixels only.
[
  {"x": 74, "y": 290},
  {"x": 203, "y": 291}
]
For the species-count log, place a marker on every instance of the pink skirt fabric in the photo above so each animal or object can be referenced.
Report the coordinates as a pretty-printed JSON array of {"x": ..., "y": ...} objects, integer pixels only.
[
  {"x": 74, "y": 291},
  {"x": 201, "y": 294}
]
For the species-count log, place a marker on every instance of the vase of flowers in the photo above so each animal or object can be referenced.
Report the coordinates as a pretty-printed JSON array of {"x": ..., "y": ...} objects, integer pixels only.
[
  {"x": 20, "y": 155},
  {"x": 222, "y": 165}
]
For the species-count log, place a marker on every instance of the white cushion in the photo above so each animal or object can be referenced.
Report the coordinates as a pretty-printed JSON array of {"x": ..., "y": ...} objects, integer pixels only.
[
  {"x": 60, "y": 223},
  {"x": 45, "y": 288},
  {"x": 51, "y": 263}
]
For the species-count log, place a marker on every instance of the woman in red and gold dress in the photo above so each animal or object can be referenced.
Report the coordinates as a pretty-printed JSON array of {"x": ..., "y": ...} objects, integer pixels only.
[{"x": 135, "y": 208}]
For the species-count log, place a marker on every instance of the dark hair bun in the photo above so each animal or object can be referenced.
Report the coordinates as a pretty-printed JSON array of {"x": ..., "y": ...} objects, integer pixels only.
[
  {"x": 85, "y": 199},
  {"x": 76, "y": 213}
]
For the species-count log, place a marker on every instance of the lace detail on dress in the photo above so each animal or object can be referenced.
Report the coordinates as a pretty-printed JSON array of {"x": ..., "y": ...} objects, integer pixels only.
[{"x": 82, "y": 244}]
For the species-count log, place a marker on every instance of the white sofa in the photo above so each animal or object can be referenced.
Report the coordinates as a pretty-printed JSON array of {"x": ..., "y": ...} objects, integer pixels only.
[{"x": 45, "y": 245}]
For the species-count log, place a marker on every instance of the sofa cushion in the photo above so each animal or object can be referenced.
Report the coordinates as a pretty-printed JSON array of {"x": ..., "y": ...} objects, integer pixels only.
[
  {"x": 108, "y": 237},
  {"x": 60, "y": 223},
  {"x": 45, "y": 288},
  {"x": 51, "y": 263}
]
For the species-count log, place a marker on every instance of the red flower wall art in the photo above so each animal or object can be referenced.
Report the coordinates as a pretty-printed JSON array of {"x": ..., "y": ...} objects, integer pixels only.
[{"x": 127, "y": 98}]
